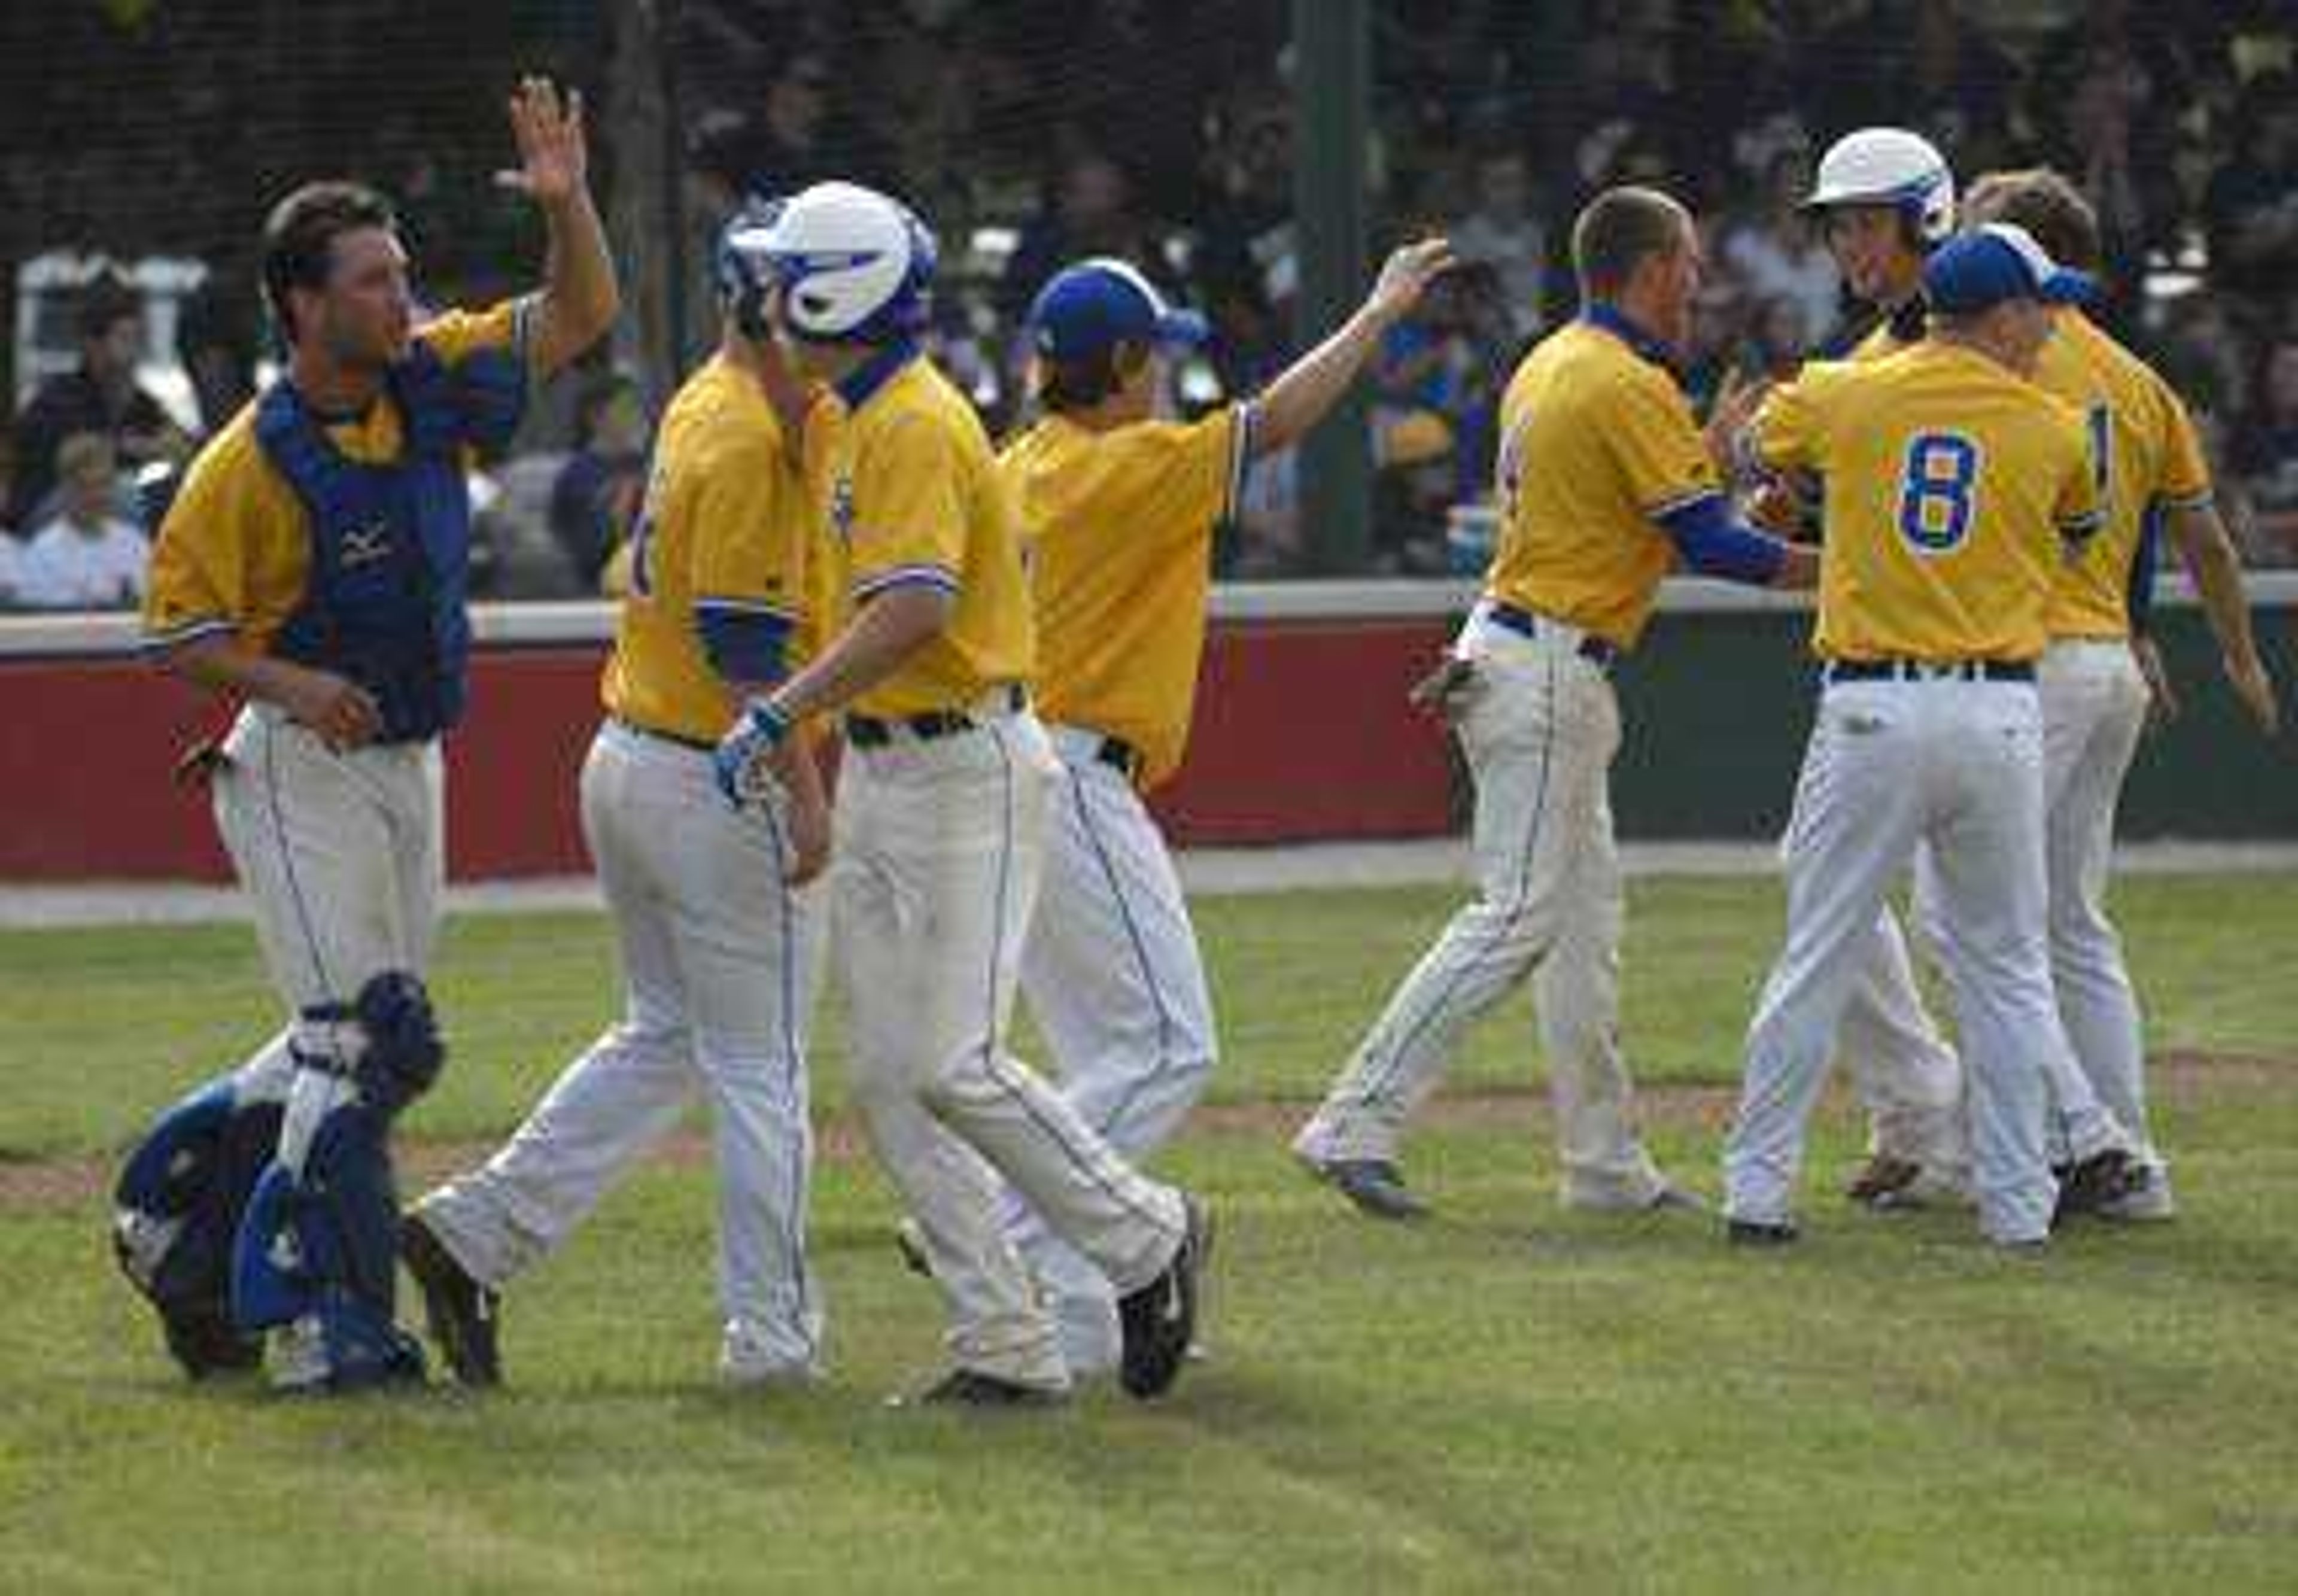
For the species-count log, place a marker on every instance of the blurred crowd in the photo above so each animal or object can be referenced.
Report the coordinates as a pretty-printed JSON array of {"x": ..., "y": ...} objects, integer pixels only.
[{"x": 1031, "y": 132}]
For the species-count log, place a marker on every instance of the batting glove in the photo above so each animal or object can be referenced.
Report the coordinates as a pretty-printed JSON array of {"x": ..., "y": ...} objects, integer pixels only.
[{"x": 742, "y": 753}]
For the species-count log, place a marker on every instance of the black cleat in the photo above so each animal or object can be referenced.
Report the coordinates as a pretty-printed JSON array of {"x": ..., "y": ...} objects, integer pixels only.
[
  {"x": 1755, "y": 1233},
  {"x": 910, "y": 1242},
  {"x": 202, "y": 1339},
  {"x": 972, "y": 1388},
  {"x": 1160, "y": 1321},
  {"x": 2096, "y": 1184},
  {"x": 1375, "y": 1185},
  {"x": 460, "y": 1312},
  {"x": 1884, "y": 1181}
]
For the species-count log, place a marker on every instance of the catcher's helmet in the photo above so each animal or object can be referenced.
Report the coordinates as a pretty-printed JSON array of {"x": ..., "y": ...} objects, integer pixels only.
[
  {"x": 854, "y": 265},
  {"x": 1888, "y": 166}
]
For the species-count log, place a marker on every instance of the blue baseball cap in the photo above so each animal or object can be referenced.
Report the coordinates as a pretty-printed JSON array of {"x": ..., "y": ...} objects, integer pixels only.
[
  {"x": 1087, "y": 307},
  {"x": 1979, "y": 269}
]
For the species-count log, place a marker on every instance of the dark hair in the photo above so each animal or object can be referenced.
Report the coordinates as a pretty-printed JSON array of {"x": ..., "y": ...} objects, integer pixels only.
[
  {"x": 2045, "y": 204},
  {"x": 1619, "y": 229},
  {"x": 299, "y": 239},
  {"x": 1081, "y": 384},
  {"x": 104, "y": 304}
]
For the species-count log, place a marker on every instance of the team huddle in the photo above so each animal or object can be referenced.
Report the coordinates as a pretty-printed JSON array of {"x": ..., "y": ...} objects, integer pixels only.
[{"x": 1004, "y": 646}]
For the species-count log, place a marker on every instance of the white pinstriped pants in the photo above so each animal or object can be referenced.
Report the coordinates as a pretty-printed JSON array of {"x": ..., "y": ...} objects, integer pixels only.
[
  {"x": 940, "y": 845},
  {"x": 710, "y": 939},
  {"x": 1540, "y": 738},
  {"x": 1114, "y": 980}
]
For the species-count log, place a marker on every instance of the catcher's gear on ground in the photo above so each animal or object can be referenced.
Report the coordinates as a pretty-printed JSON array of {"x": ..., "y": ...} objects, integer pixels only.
[
  {"x": 319, "y": 1242},
  {"x": 177, "y": 1207},
  {"x": 1888, "y": 166}
]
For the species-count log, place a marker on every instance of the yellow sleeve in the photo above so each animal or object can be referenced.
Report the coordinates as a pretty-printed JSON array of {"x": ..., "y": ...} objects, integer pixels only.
[
  {"x": 455, "y": 333},
  {"x": 908, "y": 515},
  {"x": 749, "y": 536},
  {"x": 1785, "y": 434},
  {"x": 1657, "y": 447},
  {"x": 1193, "y": 472},
  {"x": 2185, "y": 482},
  {"x": 232, "y": 554}
]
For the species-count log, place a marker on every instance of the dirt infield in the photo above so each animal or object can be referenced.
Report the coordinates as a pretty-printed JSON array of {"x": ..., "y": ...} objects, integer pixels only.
[{"x": 2180, "y": 1077}]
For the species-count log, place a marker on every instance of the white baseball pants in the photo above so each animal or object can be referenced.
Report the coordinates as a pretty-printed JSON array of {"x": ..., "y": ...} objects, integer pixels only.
[
  {"x": 940, "y": 848},
  {"x": 343, "y": 857},
  {"x": 710, "y": 939},
  {"x": 1955, "y": 766},
  {"x": 1113, "y": 978},
  {"x": 1540, "y": 737}
]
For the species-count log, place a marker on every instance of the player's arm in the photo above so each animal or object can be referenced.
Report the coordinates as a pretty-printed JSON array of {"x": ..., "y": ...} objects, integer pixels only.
[
  {"x": 2210, "y": 555},
  {"x": 1670, "y": 470},
  {"x": 197, "y": 599},
  {"x": 580, "y": 295},
  {"x": 1309, "y": 387}
]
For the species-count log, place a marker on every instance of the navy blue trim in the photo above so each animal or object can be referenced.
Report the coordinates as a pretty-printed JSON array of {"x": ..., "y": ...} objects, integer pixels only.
[
  {"x": 1716, "y": 543},
  {"x": 1376, "y": 1087},
  {"x": 287, "y": 862},
  {"x": 858, "y": 386},
  {"x": 1610, "y": 318},
  {"x": 993, "y": 1056},
  {"x": 2139, "y": 598},
  {"x": 1140, "y": 956},
  {"x": 744, "y": 645},
  {"x": 793, "y": 1082}
]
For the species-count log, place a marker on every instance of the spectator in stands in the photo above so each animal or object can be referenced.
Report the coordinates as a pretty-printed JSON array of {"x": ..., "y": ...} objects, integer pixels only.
[
  {"x": 2265, "y": 458},
  {"x": 1247, "y": 265},
  {"x": 1090, "y": 211},
  {"x": 1504, "y": 234},
  {"x": 100, "y": 396},
  {"x": 2250, "y": 208},
  {"x": 1775, "y": 254},
  {"x": 595, "y": 497},
  {"x": 1920, "y": 65},
  {"x": 216, "y": 342},
  {"x": 88, "y": 557},
  {"x": 787, "y": 147}
]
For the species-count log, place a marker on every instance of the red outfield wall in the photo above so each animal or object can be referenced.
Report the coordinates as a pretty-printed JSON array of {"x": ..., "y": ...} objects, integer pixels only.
[{"x": 1302, "y": 731}]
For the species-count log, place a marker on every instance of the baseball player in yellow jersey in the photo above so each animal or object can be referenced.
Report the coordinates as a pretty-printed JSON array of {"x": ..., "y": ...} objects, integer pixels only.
[
  {"x": 725, "y": 599},
  {"x": 2151, "y": 472},
  {"x": 1954, "y": 490},
  {"x": 313, "y": 566},
  {"x": 1604, "y": 484},
  {"x": 1884, "y": 198},
  {"x": 941, "y": 811},
  {"x": 1118, "y": 510}
]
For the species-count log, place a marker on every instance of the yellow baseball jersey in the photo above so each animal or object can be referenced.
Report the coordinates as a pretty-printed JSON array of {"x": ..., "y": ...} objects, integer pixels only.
[
  {"x": 919, "y": 499},
  {"x": 2145, "y": 453},
  {"x": 1118, "y": 527},
  {"x": 234, "y": 551},
  {"x": 1597, "y": 441},
  {"x": 729, "y": 523},
  {"x": 1952, "y": 485}
]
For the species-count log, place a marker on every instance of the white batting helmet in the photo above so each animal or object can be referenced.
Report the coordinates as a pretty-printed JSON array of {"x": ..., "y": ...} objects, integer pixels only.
[
  {"x": 853, "y": 264},
  {"x": 1888, "y": 166}
]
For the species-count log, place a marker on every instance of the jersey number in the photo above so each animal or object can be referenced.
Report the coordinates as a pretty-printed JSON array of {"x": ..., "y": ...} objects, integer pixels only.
[
  {"x": 1935, "y": 500},
  {"x": 2102, "y": 452}
]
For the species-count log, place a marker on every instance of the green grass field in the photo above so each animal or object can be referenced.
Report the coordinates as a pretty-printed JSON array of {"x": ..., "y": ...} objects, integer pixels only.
[{"x": 1508, "y": 1398}]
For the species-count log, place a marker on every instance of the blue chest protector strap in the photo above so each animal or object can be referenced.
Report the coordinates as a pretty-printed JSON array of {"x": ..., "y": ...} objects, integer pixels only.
[{"x": 391, "y": 543}]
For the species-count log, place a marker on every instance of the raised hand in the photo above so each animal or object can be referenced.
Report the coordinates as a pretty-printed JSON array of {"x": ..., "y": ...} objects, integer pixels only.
[
  {"x": 553, "y": 157},
  {"x": 1406, "y": 275}
]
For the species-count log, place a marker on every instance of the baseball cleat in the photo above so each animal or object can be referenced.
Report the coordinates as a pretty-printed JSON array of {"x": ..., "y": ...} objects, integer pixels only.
[
  {"x": 1885, "y": 1182},
  {"x": 1375, "y": 1185},
  {"x": 460, "y": 1312},
  {"x": 1756, "y": 1233},
  {"x": 1159, "y": 1321},
  {"x": 972, "y": 1388},
  {"x": 1675, "y": 1199},
  {"x": 2093, "y": 1184}
]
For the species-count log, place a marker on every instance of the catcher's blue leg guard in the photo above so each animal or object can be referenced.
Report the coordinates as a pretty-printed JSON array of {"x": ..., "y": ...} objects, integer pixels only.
[
  {"x": 319, "y": 1247},
  {"x": 177, "y": 1207}
]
